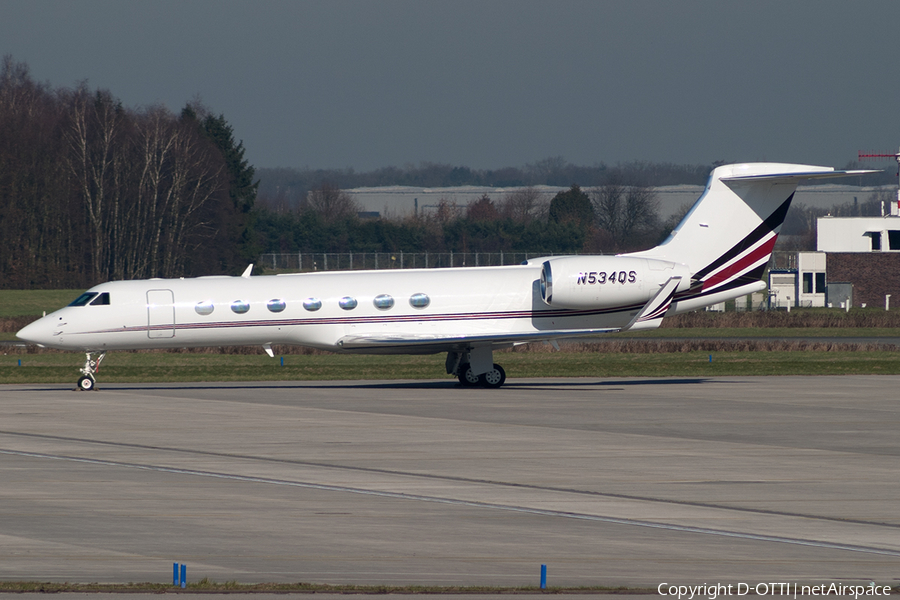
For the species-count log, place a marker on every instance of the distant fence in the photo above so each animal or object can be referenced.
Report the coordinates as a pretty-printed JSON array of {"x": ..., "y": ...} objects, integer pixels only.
[{"x": 354, "y": 261}]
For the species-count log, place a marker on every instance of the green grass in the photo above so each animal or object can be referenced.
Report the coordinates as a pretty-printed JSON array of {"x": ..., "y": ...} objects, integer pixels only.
[
  {"x": 20, "y": 303},
  {"x": 760, "y": 332},
  {"x": 207, "y": 586},
  {"x": 133, "y": 367}
]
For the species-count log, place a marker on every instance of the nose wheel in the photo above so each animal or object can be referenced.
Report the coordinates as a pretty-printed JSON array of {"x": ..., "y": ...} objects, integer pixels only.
[{"x": 88, "y": 381}]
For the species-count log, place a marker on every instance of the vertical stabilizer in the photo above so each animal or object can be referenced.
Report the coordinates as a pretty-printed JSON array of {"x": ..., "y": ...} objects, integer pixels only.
[{"x": 727, "y": 237}]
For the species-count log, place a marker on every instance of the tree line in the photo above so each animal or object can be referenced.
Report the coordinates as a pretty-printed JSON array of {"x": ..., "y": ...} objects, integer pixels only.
[
  {"x": 611, "y": 218},
  {"x": 92, "y": 191}
]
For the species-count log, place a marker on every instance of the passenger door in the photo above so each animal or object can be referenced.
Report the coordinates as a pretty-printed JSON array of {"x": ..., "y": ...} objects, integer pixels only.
[{"x": 160, "y": 314}]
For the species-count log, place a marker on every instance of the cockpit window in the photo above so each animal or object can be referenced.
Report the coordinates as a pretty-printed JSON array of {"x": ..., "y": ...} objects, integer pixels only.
[
  {"x": 101, "y": 300},
  {"x": 83, "y": 299}
]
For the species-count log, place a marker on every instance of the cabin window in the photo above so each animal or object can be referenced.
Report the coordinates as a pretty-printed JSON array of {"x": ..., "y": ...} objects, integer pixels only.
[
  {"x": 83, "y": 299},
  {"x": 419, "y": 300},
  {"x": 204, "y": 308},
  {"x": 276, "y": 305},
  {"x": 101, "y": 300},
  {"x": 383, "y": 301},
  {"x": 347, "y": 303},
  {"x": 240, "y": 307},
  {"x": 312, "y": 304}
]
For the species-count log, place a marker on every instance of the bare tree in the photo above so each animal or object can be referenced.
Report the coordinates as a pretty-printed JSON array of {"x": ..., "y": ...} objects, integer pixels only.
[
  {"x": 446, "y": 212},
  {"x": 36, "y": 208},
  {"x": 523, "y": 206},
  {"x": 628, "y": 213},
  {"x": 482, "y": 209},
  {"x": 95, "y": 161},
  {"x": 180, "y": 173},
  {"x": 331, "y": 203},
  {"x": 91, "y": 191}
]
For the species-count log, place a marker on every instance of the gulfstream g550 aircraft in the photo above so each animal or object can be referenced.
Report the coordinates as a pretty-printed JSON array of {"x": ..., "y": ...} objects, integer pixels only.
[{"x": 719, "y": 251}]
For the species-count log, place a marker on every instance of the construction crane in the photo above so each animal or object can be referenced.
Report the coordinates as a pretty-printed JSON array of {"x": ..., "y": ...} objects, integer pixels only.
[{"x": 895, "y": 205}]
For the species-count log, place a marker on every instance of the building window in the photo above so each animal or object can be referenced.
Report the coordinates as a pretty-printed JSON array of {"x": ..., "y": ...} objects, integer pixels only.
[
  {"x": 807, "y": 283},
  {"x": 820, "y": 283},
  {"x": 876, "y": 239},
  {"x": 893, "y": 241}
]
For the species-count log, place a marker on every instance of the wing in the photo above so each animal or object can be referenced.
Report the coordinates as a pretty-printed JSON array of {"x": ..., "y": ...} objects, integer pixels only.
[
  {"x": 431, "y": 344},
  {"x": 649, "y": 317}
]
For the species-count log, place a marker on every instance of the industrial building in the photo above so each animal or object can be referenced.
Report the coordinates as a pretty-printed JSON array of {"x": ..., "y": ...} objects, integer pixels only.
[{"x": 857, "y": 264}]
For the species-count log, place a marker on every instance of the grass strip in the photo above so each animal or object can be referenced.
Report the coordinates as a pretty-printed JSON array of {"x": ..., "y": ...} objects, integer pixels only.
[
  {"x": 207, "y": 586},
  {"x": 153, "y": 367},
  {"x": 760, "y": 332},
  {"x": 18, "y": 303}
]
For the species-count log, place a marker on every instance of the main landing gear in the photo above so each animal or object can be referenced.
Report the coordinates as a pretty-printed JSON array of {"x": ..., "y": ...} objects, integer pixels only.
[
  {"x": 87, "y": 381},
  {"x": 476, "y": 367}
]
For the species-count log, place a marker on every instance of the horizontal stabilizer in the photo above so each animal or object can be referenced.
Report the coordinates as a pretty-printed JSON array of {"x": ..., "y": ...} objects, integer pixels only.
[{"x": 786, "y": 177}]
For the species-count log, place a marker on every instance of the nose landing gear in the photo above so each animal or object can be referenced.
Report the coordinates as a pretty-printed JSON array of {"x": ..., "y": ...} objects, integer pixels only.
[{"x": 88, "y": 381}]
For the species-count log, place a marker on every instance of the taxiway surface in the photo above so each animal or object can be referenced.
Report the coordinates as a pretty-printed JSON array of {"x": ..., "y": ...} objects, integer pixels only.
[{"x": 606, "y": 481}]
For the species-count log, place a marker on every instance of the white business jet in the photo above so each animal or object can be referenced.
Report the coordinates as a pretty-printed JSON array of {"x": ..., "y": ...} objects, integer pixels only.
[{"x": 719, "y": 251}]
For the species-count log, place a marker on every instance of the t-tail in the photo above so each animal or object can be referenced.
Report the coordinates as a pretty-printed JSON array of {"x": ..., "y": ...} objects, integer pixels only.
[{"x": 727, "y": 237}]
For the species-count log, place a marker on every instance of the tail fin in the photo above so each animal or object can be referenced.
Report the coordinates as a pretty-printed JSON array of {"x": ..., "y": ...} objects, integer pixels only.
[{"x": 727, "y": 237}]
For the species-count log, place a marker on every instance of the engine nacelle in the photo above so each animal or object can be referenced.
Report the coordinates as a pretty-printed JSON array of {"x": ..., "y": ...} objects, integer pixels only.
[{"x": 606, "y": 281}]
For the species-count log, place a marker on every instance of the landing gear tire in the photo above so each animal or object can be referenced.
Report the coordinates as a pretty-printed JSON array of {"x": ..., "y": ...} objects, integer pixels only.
[
  {"x": 88, "y": 380},
  {"x": 466, "y": 377},
  {"x": 493, "y": 378}
]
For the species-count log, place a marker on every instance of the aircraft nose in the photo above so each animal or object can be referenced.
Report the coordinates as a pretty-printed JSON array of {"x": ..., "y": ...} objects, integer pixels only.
[{"x": 40, "y": 332}]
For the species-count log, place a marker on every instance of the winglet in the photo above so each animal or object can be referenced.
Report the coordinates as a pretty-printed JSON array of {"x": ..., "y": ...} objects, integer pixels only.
[
  {"x": 247, "y": 271},
  {"x": 653, "y": 312}
]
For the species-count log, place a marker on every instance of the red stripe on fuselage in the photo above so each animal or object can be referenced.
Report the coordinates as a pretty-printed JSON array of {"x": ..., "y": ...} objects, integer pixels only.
[{"x": 740, "y": 265}]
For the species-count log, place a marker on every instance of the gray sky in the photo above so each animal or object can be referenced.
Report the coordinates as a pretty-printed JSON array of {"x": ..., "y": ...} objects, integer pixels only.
[{"x": 488, "y": 84}]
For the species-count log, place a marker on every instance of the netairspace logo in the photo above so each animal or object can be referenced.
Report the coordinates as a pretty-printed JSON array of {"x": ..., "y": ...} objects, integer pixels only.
[{"x": 713, "y": 591}]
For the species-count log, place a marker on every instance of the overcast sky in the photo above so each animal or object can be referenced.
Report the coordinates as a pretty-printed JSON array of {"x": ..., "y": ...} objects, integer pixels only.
[{"x": 488, "y": 84}]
